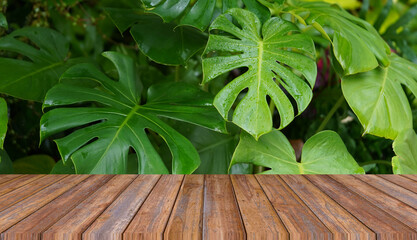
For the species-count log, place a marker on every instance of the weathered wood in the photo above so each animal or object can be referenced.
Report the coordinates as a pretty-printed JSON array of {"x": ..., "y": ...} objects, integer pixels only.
[
  {"x": 19, "y": 194},
  {"x": 391, "y": 189},
  {"x": 152, "y": 217},
  {"x": 401, "y": 181},
  {"x": 299, "y": 220},
  {"x": 186, "y": 221},
  {"x": 396, "y": 208},
  {"x": 31, "y": 227},
  {"x": 74, "y": 223},
  {"x": 379, "y": 221},
  {"x": 4, "y": 178},
  {"x": 339, "y": 221},
  {"x": 259, "y": 216},
  {"x": 24, "y": 208},
  {"x": 221, "y": 214},
  {"x": 17, "y": 182},
  {"x": 115, "y": 219},
  {"x": 412, "y": 177}
]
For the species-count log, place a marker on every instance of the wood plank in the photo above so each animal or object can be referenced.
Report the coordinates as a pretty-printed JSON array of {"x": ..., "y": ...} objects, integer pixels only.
[
  {"x": 396, "y": 208},
  {"x": 221, "y": 218},
  {"x": 24, "y": 208},
  {"x": 258, "y": 215},
  {"x": 401, "y": 181},
  {"x": 32, "y": 226},
  {"x": 412, "y": 177},
  {"x": 7, "y": 177},
  {"x": 16, "y": 183},
  {"x": 115, "y": 219},
  {"x": 379, "y": 221},
  {"x": 74, "y": 223},
  {"x": 391, "y": 189},
  {"x": 152, "y": 217},
  {"x": 186, "y": 221},
  {"x": 299, "y": 220},
  {"x": 339, "y": 221},
  {"x": 28, "y": 190}
]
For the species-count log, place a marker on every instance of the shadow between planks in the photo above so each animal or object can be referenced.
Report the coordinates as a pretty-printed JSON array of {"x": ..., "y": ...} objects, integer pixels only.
[{"x": 208, "y": 207}]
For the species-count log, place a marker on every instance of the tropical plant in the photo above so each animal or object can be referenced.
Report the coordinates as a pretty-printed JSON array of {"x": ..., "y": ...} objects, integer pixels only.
[{"x": 209, "y": 86}]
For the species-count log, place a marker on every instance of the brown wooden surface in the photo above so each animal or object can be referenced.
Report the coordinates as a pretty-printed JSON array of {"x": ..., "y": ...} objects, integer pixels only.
[{"x": 208, "y": 207}]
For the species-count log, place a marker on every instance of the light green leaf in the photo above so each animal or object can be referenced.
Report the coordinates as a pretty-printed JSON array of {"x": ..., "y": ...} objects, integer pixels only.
[
  {"x": 378, "y": 99},
  {"x": 3, "y": 21},
  {"x": 6, "y": 166},
  {"x": 34, "y": 164},
  {"x": 31, "y": 79},
  {"x": 324, "y": 153},
  {"x": 120, "y": 122},
  {"x": 356, "y": 44},
  {"x": 199, "y": 13},
  {"x": 405, "y": 147},
  {"x": 273, "y": 54},
  {"x": 4, "y": 119}
]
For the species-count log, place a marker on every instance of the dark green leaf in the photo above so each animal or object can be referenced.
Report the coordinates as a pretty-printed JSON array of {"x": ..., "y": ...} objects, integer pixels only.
[
  {"x": 405, "y": 146},
  {"x": 34, "y": 164},
  {"x": 102, "y": 144},
  {"x": 3, "y": 21},
  {"x": 30, "y": 79},
  {"x": 124, "y": 18},
  {"x": 378, "y": 99},
  {"x": 356, "y": 44},
  {"x": 4, "y": 119},
  {"x": 324, "y": 153},
  {"x": 270, "y": 52},
  {"x": 6, "y": 166},
  {"x": 61, "y": 168}
]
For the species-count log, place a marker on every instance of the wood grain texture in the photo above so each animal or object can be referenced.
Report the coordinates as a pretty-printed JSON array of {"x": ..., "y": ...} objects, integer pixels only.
[
  {"x": 394, "y": 207},
  {"x": 115, "y": 219},
  {"x": 152, "y": 217},
  {"x": 299, "y": 220},
  {"x": 412, "y": 177},
  {"x": 54, "y": 210},
  {"x": 401, "y": 181},
  {"x": 17, "y": 182},
  {"x": 379, "y": 221},
  {"x": 186, "y": 221},
  {"x": 29, "y": 205},
  {"x": 19, "y": 194},
  {"x": 339, "y": 221},
  {"x": 221, "y": 214},
  {"x": 391, "y": 189},
  {"x": 74, "y": 223},
  {"x": 4, "y": 178},
  {"x": 258, "y": 215}
]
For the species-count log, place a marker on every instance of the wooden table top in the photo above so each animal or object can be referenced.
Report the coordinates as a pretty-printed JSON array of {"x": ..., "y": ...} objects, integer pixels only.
[{"x": 208, "y": 207}]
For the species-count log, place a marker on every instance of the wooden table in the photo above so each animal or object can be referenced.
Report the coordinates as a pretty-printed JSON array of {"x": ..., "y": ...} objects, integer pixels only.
[{"x": 208, "y": 207}]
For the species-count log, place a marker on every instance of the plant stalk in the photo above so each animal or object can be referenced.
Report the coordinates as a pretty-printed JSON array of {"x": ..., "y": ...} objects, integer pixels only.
[{"x": 330, "y": 114}]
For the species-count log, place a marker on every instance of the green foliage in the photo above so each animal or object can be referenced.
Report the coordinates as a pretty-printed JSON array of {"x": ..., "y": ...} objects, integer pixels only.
[
  {"x": 46, "y": 52},
  {"x": 3, "y": 121},
  {"x": 405, "y": 146},
  {"x": 270, "y": 52},
  {"x": 324, "y": 153},
  {"x": 3, "y": 21},
  {"x": 378, "y": 99},
  {"x": 121, "y": 122},
  {"x": 34, "y": 164},
  {"x": 6, "y": 165}
]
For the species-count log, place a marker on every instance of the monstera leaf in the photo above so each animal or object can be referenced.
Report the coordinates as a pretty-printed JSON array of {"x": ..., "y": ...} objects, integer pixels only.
[
  {"x": 47, "y": 60},
  {"x": 200, "y": 13},
  {"x": 405, "y": 146},
  {"x": 6, "y": 165},
  {"x": 378, "y": 99},
  {"x": 324, "y": 153},
  {"x": 119, "y": 122},
  {"x": 273, "y": 53},
  {"x": 4, "y": 119},
  {"x": 356, "y": 44}
]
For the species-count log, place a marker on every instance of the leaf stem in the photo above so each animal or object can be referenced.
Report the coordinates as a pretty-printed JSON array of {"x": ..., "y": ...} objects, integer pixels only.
[
  {"x": 375, "y": 162},
  {"x": 331, "y": 113}
]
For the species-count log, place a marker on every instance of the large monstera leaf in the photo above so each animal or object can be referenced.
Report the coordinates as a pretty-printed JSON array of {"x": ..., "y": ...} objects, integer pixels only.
[
  {"x": 405, "y": 146},
  {"x": 378, "y": 99},
  {"x": 119, "y": 122},
  {"x": 324, "y": 153},
  {"x": 46, "y": 55},
  {"x": 357, "y": 46},
  {"x": 200, "y": 13},
  {"x": 277, "y": 57}
]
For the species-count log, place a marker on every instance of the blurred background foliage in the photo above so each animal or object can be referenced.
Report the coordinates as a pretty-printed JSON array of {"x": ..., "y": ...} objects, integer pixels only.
[{"x": 90, "y": 32}]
